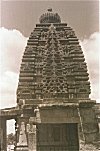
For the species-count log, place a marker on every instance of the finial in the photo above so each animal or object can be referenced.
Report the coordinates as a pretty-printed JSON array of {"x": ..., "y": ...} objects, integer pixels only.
[
  {"x": 49, "y": 9},
  {"x": 50, "y": 17}
]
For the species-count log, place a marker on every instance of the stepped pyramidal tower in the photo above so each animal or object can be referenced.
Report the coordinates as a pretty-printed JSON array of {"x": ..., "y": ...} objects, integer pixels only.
[
  {"x": 53, "y": 104},
  {"x": 53, "y": 67}
]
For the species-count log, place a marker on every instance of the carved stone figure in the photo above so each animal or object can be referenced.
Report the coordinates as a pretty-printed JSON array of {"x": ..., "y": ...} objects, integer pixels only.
[{"x": 22, "y": 136}]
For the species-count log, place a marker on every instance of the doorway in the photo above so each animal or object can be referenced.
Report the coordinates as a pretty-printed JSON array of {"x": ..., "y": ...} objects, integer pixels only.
[{"x": 57, "y": 137}]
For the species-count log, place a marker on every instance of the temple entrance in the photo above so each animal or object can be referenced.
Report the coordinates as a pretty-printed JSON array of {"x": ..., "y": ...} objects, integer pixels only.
[
  {"x": 57, "y": 137},
  {"x": 7, "y": 126}
]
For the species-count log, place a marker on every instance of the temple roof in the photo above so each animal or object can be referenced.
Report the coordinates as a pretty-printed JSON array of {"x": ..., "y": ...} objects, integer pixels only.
[
  {"x": 9, "y": 113},
  {"x": 53, "y": 66}
]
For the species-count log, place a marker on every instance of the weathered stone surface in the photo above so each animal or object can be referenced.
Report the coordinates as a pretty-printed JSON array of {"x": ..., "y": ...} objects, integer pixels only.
[
  {"x": 53, "y": 49},
  {"x": 3, "y": 141},
  {"x": 59, "y": 114},
  {"x": 31, "y": 130},
  {"x": 89, "y": 122}
]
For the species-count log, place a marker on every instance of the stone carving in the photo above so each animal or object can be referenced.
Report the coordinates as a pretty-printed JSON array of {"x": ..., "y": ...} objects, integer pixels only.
[
  {"x": 26, "y": 66},
  {"x": 37, "y": 113},
  {"x": 61, "y": 34},
  {"x": 70, "y": 33},
  {"x": 52, "y": 54},
  {"x": 30, "y": 48},
  {"x": 54, "y": 64},
  {"x": 74, "y": 48},
  {"x": 43, "y": 35},
  {"x": 31, "y": 130},
  {"x": 22, "y": 136}
]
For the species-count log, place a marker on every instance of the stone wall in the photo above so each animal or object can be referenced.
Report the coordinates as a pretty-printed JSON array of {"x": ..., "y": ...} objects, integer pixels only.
[
  {"x": 89, "y": 122},
  {"x": 3, "y": 134}
]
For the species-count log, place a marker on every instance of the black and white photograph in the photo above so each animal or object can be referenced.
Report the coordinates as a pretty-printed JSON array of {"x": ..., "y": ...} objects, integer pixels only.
[{"x": 49, "y": 75}]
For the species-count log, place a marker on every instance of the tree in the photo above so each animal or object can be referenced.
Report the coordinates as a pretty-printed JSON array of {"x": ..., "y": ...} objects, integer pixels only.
[{"x": 10, "y": 139}]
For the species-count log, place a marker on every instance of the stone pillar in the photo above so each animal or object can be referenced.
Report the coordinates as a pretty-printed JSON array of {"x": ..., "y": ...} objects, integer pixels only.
[
  {"x": 31, "y": 129},
  {"x": 22, "y": 144},
  {"x": 16, "y": 132},
  {"x": 3, "y": 134},
  {"x": 89, "y": 122}
]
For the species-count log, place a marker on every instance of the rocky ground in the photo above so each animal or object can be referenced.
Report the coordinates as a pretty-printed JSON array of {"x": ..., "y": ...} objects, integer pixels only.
[
  {"x": 83, "y": 147},
  {"x": 90, "y": 147}
]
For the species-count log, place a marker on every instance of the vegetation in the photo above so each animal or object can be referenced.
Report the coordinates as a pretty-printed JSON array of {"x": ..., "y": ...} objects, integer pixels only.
[{"x": 10, "y": 139}]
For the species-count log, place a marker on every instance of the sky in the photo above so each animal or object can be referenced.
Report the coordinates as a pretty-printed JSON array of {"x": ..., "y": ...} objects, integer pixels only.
[
  {"x": 18, "y": 19},
  {"x": 22, "y": 15}
]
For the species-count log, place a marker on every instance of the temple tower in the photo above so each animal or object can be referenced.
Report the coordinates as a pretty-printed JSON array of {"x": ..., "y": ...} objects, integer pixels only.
[{"x": 53, "y": 90}]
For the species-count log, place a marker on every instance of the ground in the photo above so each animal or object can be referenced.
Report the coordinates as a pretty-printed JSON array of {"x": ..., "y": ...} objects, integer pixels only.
[{"x": 90, "y": 147}]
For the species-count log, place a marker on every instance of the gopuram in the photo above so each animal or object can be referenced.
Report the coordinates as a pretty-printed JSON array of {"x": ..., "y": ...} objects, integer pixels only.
[{"x": 53, "y": 104}]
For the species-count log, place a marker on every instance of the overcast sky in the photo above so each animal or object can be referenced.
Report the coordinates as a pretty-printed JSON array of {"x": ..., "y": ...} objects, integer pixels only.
[{"x": 18, "y": 19}]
